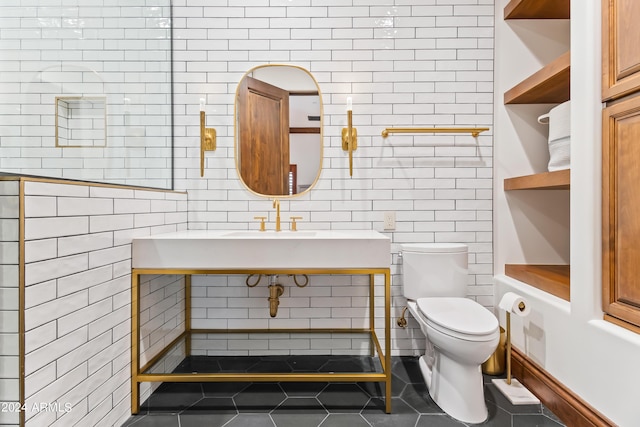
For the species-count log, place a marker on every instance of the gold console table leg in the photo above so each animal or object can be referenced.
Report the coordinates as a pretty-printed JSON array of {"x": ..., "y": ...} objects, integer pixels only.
[
  {"x": 187, "y": 313},
  {"x": 135, "y": 340},
  {"x": 387, "y": 338},
  {"x": 372, "y": 307}
]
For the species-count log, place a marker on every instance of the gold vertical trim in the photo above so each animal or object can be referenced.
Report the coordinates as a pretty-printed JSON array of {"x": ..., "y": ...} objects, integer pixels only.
[
  {"x": 135, "y": 340},
  {"x": 21, "y": 300},
  {"x": 372, "y": 319},
  {"x": 387, "y": 338},
  {"x": 187, "y": 311}
]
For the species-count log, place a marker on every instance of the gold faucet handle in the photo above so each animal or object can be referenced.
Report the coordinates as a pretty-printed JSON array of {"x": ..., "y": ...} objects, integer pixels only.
[
  {"x": 262, "y": 219},
  {"x": 294, "y": 226}
]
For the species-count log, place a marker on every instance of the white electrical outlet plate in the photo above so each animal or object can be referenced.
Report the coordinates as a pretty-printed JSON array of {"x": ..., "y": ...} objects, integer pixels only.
[{"x": 389, "y": 221}]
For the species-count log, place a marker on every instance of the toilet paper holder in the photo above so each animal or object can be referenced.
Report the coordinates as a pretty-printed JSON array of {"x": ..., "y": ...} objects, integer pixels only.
[{"x": 517, "y": 394}]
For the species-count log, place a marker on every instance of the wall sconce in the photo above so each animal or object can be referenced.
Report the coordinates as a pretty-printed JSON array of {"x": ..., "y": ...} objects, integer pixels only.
[
  {"x": 207, "y": 137},
  {"x": 350, "y": 135}
]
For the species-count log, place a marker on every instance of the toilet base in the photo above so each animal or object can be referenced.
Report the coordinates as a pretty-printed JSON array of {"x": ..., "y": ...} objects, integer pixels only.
[{"x": 457, "y": 389}]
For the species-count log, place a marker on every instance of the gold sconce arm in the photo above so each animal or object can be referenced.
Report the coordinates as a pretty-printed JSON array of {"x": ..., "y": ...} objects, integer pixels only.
[
  {"x": 473, "y": 131},
  {"x": 350, "y": 139},
  {"x": 207, "y": 140}
]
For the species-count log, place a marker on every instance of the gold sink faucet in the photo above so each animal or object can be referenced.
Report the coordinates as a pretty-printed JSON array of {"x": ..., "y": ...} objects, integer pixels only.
[{"x": 276, "y": 205}]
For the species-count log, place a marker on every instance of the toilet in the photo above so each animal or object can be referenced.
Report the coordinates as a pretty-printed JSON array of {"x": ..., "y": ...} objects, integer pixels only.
[{"x": 460, "y": 333}]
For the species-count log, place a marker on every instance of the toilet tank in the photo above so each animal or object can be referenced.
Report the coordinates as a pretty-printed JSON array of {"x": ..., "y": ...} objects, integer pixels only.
[{"x": 434, "y": 270}]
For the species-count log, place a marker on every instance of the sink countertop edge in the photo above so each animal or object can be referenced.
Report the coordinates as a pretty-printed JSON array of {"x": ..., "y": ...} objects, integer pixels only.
[{"x": 197, "y": 249}]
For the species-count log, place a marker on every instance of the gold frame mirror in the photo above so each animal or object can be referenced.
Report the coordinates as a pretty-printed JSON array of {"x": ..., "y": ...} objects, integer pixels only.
[{"x": 278, "y": 137}]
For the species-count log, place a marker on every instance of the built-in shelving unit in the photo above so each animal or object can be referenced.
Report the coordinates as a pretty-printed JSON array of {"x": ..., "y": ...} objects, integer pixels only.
[
  {"x": 537, "y": 9},
  {"x": 549, "y": 85},
  {"x": 553, "y": 279},
  {"x": 557, "y": 180}
]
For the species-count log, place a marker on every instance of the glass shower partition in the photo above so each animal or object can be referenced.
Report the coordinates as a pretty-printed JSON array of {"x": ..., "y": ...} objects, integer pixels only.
[{"x": 86, "y": 90}]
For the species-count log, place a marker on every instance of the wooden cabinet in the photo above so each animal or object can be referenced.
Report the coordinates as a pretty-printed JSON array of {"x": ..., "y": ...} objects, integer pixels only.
[
  {"x": 621, "y": 162},
  {"x": 620, "y": 52},
  {"x": 548, "y": 85},
  {"x": 621, "y": 204}
]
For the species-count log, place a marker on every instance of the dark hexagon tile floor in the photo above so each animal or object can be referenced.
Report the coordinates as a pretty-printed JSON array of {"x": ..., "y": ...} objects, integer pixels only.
[{"x": 315, "y": 404}]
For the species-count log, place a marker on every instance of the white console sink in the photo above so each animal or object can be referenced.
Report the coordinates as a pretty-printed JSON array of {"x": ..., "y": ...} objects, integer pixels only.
[{"x": 208, "y": 249}]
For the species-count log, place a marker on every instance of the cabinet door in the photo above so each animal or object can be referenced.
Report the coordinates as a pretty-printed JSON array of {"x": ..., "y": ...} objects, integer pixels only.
[
  {"x": 621, "y": 211},
  {"x": 620, "y": 48}
]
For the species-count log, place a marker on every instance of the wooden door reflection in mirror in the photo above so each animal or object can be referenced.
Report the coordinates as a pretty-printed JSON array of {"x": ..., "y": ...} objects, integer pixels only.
[
  {"x": 263, "y": 112},
  {"x": 278, "y": 146}
]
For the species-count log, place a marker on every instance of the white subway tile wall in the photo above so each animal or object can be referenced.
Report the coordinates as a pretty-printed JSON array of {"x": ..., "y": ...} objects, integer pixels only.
[
  {"x": 117, "y": 52},
  {"x": 226, "y": 302},
  {"x": 78, "y": 296},
  {"x": 9, "y": 301},
  {"x": 404, "y": 63}
]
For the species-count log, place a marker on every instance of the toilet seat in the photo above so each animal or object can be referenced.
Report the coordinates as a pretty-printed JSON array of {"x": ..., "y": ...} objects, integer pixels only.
[{"x": 461, "y": 318}]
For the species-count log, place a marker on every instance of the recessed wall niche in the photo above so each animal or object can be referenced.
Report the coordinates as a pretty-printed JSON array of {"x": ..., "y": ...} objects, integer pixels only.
[{"x": 81, "y": 121}]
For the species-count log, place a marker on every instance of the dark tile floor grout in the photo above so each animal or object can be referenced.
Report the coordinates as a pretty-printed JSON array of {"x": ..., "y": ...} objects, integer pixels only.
[{"x": 316, "y": 404}]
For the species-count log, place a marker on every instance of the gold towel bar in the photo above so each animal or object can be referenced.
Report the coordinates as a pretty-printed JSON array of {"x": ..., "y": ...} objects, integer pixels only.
[{"x": 473, "y": 131}]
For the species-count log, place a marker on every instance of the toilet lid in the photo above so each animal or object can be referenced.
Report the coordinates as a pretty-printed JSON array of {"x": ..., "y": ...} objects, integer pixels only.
[{"x": 458, "y": 314}]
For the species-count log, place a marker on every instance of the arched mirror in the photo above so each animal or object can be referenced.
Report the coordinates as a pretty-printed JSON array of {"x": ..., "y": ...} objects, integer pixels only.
[{"x": 278, "y": 130}]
